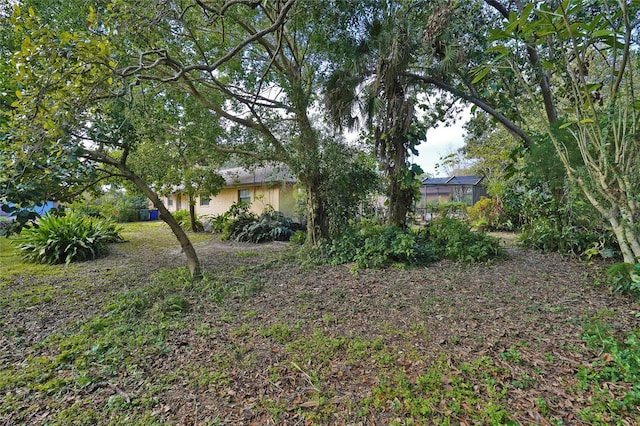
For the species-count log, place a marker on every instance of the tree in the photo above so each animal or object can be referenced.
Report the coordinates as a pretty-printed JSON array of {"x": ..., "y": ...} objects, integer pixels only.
[
  {"x": 261, "y": 58},
  {"x": 374, "y": 78},
  {"x": 177, "y": 147},
  {"x": 69, "y": 116},
  {"x": 583, "y": 91},
  {"x": 563, "y": 71}
]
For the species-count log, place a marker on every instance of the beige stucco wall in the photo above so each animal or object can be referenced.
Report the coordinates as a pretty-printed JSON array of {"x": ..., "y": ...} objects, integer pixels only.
[{"x": 279, "y": 196}]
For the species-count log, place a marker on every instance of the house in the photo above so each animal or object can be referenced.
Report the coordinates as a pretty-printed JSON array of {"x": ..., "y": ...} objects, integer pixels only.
[
  {"x": 261, "y": 187},
  {"x": 466, "y": 189}
]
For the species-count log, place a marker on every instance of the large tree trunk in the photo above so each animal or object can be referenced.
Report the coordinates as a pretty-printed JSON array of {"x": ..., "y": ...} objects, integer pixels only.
[
  {"x": 189, "y": 251},
  {"x": 317, "y": 219},
  {"x": 400, "y": 196}
]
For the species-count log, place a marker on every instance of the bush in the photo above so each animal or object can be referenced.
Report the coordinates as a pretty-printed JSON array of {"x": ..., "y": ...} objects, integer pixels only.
[
  {"x": 239, "y": 218},
  {"x": 216, "y": 222},
  {"x": 115, "y": 204},
  {"x": 299, "y": 237},
  {"x": 455, "y": 240},
  {"x": 246, "y": 226},
  {"x": 184, "y": 220},
  {"x": 625, "y": 277},
  {"x": 67, "y": 239},
  {"x": 562, "y": 222},
  {"x": 488, "y": 213},
  {"x": 370, "y": 245},
  {"x": 452, "y": 210}
]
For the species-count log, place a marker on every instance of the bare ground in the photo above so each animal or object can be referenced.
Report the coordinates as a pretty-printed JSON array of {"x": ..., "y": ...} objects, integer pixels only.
[{"x": 525, "y": 315}]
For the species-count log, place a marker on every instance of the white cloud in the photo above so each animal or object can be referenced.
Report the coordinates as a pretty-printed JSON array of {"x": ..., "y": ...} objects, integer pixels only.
[{"x": 440, "y": 142}]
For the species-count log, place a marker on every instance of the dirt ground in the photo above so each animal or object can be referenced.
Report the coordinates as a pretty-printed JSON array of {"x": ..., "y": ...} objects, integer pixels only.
[{"x": 524, "y": 314}]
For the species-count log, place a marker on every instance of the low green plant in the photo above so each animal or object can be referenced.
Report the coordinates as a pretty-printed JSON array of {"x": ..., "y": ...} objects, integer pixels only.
[
  {"x": 441, "y": 394},
  {"x": 455, "y": 240},
  {"x": 619, "y": 362},
  {"x": 299, "y": 237},
  {"x": 370, "y": 245},
  {"x": 67, "y": 239},
  {"x": 184, "y": 220},
  {"x": 271, "y": 225},
  {"x": 488, "y": 214},
  {"x": 625, "y": 277},
  {"x": 217, "y": 221}
]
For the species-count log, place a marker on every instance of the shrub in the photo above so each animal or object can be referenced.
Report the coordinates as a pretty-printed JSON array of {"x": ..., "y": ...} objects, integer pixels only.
[
  {"x": 298, "y": 237},
  {"x": 488, "y": 213},
  {"x": 67, "y": 239},
  {"x": 239, "y": 218},
  {"x": 455, "y": 240},
  {"x": 246, "y": 226},
  {"x": 184, "y": 220},
  {"x": 370, "y": 245},
  {"x": 562, "y": 222},
  {"x": 625, "y": 277},
  {"x": 452, "y": 210},
  {"x": 217, "y": 222}
]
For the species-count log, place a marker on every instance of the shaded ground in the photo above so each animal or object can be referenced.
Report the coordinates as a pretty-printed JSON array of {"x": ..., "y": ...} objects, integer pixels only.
[{"x": 264, "y": 341}]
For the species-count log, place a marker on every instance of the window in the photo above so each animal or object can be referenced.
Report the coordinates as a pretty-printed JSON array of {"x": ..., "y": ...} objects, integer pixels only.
[
  {"x": 204, "y": 200},
  {"x": 179, "y": 202},
  {"x": 244, "y": 196},
  {"x": 170, "y": 198}
]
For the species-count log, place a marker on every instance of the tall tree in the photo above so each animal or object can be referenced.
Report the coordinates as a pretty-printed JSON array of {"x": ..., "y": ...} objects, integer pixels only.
[
  {"x": 583, "y": 90},
  {"x": 68, "y": 116},
  {"x": 262, "y": 57},
  {"x": 373, "y": 87}
]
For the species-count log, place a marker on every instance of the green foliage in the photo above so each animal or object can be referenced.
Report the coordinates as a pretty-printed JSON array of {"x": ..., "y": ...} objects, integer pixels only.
[
  {"x": 115, "y": 204},
  {"x": 184, "y": 220},
  {"x": 370, "y": 245},
  {"x": 246, "y": 226},
  {"x": 625, "y": 277},
  {"x": 217, "y": 222},
  {"x": 455, "y": 240},
  {"x": 347, "y": 179},
  {"x": 452, "y": 209},
  {"x": 560, "y": 221},
  {"x": 236, "y": 219},
  {"x": 299, "y": 237},
  {"x": 66, "y": 239},
  {"x": 442, "y": 392},
  {"x": 620, "y": 362},
  {"x": 488, "y": 214}
]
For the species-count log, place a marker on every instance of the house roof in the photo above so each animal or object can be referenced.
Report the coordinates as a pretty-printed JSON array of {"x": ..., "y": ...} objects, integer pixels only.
[
  {"x": 453, "y": 180},
  {"x": 239, "y": 176}
]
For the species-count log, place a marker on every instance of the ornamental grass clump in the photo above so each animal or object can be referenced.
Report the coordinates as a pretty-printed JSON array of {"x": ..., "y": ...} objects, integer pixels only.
[{"x": 67, "y": 239}]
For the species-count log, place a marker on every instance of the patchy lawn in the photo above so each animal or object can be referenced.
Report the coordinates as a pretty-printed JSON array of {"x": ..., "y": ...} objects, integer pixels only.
[{"x": 128, "y": 339}]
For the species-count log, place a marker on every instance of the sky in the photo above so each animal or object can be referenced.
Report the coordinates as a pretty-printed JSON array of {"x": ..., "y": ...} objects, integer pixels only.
[{"x": 440, "y": 142}]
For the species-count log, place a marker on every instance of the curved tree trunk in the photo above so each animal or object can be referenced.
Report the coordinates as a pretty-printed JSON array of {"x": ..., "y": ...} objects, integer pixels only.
[{"x": 189, "y": 251}]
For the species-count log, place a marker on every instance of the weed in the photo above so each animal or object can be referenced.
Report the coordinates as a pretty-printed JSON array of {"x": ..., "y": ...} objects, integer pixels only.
[
  {"x": 511, "y": 355},
  {"x": 440, "y": 394},
  {"x": 280, "y": 333},
  {"x": 619, "y": 362},
  {"x": 246, "y": 254}
]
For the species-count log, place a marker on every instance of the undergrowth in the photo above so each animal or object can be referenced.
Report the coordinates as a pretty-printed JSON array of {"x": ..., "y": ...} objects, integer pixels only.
[
  {"x": 619, "y": 362},
  {"x": 116, "y": 347},
  {"x": 371, "y": 245}
]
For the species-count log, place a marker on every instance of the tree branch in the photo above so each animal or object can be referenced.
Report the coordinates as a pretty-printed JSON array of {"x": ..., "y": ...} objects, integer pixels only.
[{"x": 508, "y": 124}]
